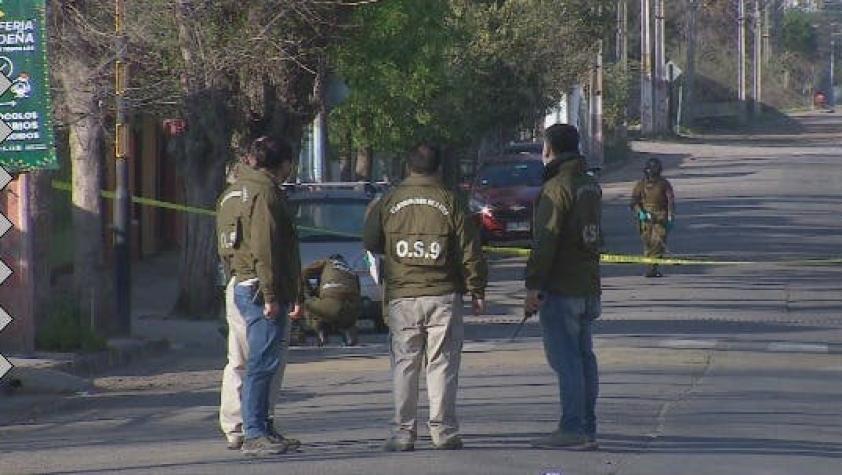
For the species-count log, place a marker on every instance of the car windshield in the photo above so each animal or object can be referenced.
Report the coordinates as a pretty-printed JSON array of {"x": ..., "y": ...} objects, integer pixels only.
[
  {"x": 504, "y": 174},
  {"x": 329, "y": 219}
]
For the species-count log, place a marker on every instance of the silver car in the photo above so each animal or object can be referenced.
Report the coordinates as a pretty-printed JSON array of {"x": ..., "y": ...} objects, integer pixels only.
[{"x": 329, "y": 218}]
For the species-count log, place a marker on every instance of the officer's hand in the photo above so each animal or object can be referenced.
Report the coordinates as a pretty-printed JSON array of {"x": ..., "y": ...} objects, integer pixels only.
[
  {"x": 533, "y": 301},
  {"x": 670, "y": 223},
  {"x": 295, "y": 314},
  {"x": 479, "y": 305},
  {"x": 271, "y": 310},
  {"x": 643, "y": 215}
]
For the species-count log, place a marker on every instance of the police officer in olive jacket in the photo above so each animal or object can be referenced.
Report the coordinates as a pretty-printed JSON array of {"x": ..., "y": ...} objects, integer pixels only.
[
  {"x": 336, "y": 303},
  {"x": 432, "y": 257},
  {"x": 266, "y": 266},
  {"x": 563, "y": 281},
  {"x": 653, "y": 205}
]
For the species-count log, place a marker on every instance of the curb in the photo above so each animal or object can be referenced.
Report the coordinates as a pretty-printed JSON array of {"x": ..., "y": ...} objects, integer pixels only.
[
  {"x": 67, "y": 373},
  {"x": 120, "y": 352}
]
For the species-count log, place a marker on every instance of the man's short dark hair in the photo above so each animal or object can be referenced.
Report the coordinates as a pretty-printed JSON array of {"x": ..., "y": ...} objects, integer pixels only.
[
  {"x": 424, "y": 159},
  {"x": 269, "y": 153},
  {"x": 562, "y": 138}
]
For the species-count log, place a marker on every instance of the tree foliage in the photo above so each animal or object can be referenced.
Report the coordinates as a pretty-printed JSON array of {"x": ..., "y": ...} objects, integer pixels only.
[
  {"x": 799, "y": 36},
  {"x": 453, "y": 70},
  {"x": 233, "y": 69}
]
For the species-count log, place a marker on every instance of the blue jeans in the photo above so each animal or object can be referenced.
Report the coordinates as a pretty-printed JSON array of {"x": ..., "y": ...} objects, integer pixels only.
[
  {"x": 568, "y": 344},
  {"x": 264, "y": 338}
]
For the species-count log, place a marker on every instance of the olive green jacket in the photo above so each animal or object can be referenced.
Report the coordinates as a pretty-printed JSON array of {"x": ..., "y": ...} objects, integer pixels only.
[
  {"x": 269, "y": 246},
  {"x": 567, "y": 234},
  {"x": 229, "y": 233},
  {"x": 431, "y": 245},
  {"x": 336, "y": 279},
  {"x": 655, "y": 196}
]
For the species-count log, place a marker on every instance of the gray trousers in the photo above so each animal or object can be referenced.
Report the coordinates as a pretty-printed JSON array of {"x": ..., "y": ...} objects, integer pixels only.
[{"x": 426, "y": 330}]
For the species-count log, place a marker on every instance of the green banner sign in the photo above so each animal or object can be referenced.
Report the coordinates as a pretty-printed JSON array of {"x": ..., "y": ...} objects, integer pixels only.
[{"x": 26, "y": 106}]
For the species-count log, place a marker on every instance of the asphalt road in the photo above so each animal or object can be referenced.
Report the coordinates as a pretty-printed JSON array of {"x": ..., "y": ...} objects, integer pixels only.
[{"x": 711, "y": 370}]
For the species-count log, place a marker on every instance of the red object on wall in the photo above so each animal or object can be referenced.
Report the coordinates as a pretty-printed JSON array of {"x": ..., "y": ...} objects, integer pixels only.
[{"x": 175, "y": 127}]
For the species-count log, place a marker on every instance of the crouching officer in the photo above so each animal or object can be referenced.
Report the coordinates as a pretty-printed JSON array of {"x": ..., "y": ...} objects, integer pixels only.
[
  {"x": 336, "y": 303},
  {"x": 432, "y": 256},
  {"x": 653, "y": 206}
]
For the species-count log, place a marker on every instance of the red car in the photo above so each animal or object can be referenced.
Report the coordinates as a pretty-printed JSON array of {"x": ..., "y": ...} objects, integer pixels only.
[{"x": 503, "y": 194}]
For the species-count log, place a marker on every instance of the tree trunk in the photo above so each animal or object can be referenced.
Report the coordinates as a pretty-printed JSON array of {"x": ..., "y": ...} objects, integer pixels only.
[
  {"x": 211, "y": 123},
  {"x": 86, "y": 157},
  {"x": 365, "y": 163},
  {"x": 346, "y": 159},
  {"x": 206, "y": 149},
  {"x": 450, "y": 167},
  {"x": 398, "y": 168},
  {"x": 40, "y": 198},
  {"x": 199, "y": 295}
]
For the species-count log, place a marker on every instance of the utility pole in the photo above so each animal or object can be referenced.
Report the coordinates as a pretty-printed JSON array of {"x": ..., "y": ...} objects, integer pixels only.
[
  {"x": 690, "y": 79},
  {"x": 622, "y": 46},
  {"x": 741, "y": 60},
  {"x": 831, "y": 93},
  {"x": 647, "y": 124},
  {"x": 757, "y": 62},
  {"x": 661, "y": 90},
  {"x": 597, "y": 148},
  {"x": 320, "y": 142},
  {"x": 623, "y": 56},
  {"x": 767, "y": 43},
  {"x": 122, "y": 202}
]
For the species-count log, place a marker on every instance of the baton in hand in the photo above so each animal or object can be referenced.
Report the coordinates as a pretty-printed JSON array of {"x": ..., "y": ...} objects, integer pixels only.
[{"x": 526, "y": 316}]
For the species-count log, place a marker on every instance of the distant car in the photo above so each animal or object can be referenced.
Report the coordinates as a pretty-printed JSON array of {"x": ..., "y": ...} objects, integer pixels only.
[
  {"x": 329, "y": 218},
  {"x": 503, "y": 194}
]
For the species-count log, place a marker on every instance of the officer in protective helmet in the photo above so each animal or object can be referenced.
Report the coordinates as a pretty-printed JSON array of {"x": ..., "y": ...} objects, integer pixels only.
[
  {"x": 653, "y": 206},
  {"x": 335, "y": 304}
]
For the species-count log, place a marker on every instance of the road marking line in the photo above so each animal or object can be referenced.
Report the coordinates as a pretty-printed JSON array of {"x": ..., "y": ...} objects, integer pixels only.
[
  {"x": 692, "y": 344},
  {"x": 798, "y": 347}
]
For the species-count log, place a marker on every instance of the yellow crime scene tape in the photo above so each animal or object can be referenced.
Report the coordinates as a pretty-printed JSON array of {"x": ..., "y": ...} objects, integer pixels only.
[
  {"x": 605, "y": 258},
  {"x": 64, "y": 186},
  {"x": 610, "y": 258}
]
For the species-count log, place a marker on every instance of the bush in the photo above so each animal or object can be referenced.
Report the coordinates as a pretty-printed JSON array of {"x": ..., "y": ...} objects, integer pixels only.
[{"x": 66, "y": 328}]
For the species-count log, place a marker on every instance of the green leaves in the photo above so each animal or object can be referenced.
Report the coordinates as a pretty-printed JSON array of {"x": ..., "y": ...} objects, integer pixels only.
[
  {"x": 799, "y": 34},
  {"x": 450, "y": 71}
]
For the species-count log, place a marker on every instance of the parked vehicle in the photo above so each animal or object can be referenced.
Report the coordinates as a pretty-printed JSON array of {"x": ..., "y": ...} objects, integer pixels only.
[
  {"x": 330, "y": 218},
  {"x": 503, "y": 194}
]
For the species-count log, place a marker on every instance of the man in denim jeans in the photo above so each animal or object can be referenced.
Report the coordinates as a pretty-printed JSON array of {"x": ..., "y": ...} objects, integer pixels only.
[
  {"x": 267, "y": 271},
  {"x": 563, "y": 282}
]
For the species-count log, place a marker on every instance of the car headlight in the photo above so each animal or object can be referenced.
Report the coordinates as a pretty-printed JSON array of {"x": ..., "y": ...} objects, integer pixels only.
[{"x": 477, "y": 206}]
